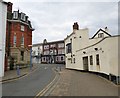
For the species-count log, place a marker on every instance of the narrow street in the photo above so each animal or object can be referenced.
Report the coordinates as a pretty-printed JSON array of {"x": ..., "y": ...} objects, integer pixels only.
[{"x": 32, "y": 84}]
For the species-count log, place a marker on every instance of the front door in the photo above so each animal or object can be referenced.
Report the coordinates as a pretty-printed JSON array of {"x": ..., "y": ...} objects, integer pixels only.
[{"x": 85, "y": 63}]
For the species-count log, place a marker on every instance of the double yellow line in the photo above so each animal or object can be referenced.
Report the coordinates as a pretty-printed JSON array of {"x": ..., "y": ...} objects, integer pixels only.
[{"x": 41, "y": 93}]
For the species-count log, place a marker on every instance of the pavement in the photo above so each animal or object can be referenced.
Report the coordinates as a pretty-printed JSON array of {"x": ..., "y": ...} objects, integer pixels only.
[
  {"x": 77, "y": 83},
  {"x": 12, "y": 74},
  {"x": 73, "y": 83}
]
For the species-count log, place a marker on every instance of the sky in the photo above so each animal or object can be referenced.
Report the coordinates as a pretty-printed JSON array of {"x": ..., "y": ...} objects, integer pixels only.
[{"x": 53, "y": 19}]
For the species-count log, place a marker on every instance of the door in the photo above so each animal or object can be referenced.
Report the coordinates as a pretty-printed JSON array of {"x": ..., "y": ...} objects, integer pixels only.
[{"x": 85, "y": 63}]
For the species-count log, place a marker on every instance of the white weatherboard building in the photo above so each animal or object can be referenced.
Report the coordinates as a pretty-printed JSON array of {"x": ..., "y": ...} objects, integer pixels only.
[
  {"x": 98, "y": 54},
  {"x": 3, "y": 17}
]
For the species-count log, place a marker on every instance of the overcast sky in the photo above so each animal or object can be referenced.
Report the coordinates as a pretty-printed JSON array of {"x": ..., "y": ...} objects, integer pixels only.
[{"x": 53, "y": 20}]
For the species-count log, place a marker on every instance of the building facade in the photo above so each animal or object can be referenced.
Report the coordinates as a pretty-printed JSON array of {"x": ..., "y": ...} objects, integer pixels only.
[
  {"x": 37, "y": 52},
  {"x": 18, "y": 37},
  {"x": 3, "y": 16},
  {"x": 50, "y": 52},
  {"x": 98, "y": 54}
]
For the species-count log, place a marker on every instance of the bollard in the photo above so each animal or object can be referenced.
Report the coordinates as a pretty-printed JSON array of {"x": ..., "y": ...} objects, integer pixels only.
[{"x": 18, "y": 70}]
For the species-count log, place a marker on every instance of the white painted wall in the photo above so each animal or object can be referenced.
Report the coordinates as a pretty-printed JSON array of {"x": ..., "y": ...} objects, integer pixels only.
[
  {"x": 3, "y": 14},
  {"x": 35, "y": 48},
  {"x": 107, "y": 50},
  {"x": 78, "y": 37}
]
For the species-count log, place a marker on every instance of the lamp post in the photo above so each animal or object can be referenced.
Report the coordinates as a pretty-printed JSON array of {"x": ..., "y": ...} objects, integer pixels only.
[{"x": 30, "y": 56}]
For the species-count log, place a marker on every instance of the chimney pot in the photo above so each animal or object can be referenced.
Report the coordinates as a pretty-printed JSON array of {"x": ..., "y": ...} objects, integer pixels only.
[
  {"x": 75, "y": 26},
  {"x": 106, "y": 29},
  {"x": 9, "y": 7}
]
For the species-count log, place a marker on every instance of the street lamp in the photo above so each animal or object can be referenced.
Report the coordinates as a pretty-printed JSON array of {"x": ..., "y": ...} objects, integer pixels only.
[{"x": 30, "y": 56}]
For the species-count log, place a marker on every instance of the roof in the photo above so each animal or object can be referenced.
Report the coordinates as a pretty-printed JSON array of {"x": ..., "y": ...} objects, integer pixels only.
[
  {"x": 4, "y": 2},
  {"x": 37, "y": 44},
  {"x": 69, "y": 35},
  {"x": 98, "y": 42},
  {"x": 102, "y": 31}
]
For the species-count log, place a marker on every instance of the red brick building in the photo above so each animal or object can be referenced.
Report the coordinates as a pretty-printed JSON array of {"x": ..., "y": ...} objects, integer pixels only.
[{"x": 18, "y": 37}]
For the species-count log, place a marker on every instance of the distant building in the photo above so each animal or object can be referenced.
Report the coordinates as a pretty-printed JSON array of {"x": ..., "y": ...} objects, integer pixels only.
[
  {"x": 51, "y": 52},
  {"x": 97, "y": 54},
  {"x": 37, "y": 51},
  {"x": 18, "y": 37}
]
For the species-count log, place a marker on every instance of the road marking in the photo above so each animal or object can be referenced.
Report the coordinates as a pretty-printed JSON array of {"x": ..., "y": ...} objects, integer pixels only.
[{"x": 46, "y": 87}]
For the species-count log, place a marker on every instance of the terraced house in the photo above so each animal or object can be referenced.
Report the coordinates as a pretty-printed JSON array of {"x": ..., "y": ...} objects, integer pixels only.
[
  {"x": 18, "y": 38},
  {"x": 98, "y": 54},
  {"x": 49, "y": 52}
]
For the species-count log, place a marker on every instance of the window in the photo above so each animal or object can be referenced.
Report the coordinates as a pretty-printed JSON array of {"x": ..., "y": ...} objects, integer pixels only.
[
  {"x": 61, "y": 58},
  {"x": 91, "y": 60},
  {"x": 22, "y": 55},
  {"x": 46, "y": 47},
  {"x": 61, "y": 45},
  {"x": 74, "y": 60},
  {"x": 46, "y": 52},
  {"x": 22, "y": 28},
  {"x": 53, "y": 45},
  {"x": 68, "y": 48},
  {"x": 23, "y": 16},
  {"x": 57, "y": 59},
  {"x": 22, "y": 40},
  {"x": 44, "y": 59},
  {"x": 38, "y": 54},
  {"x": 71, "y": 60},
  {"x": 100, "y": 35},
  {"x": 14, "y": 40},
  {"x": 34, "y": 53},
  {"x": 61, "y": 51},
  {"x": 15, "y": 15},
  {"x": 97, "y": 59}
]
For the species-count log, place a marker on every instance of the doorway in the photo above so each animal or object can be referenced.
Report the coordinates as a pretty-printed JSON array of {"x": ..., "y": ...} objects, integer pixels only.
[{"x": 85, "y": 63}]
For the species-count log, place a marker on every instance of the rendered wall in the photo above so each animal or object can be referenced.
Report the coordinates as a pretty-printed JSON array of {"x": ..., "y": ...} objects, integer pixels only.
[{"x": 3, "y": 13}]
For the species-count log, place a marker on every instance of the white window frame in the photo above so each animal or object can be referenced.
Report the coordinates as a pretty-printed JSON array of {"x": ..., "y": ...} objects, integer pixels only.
[
  {"x": 22, "y": 28},
  {"x": 14, "y": 40},
  {"x": 61, "y": 45},
  {"x": 23, "y": 16},
  {"x": 15, "y": 15},
  {"x": 100, "y": 35}
]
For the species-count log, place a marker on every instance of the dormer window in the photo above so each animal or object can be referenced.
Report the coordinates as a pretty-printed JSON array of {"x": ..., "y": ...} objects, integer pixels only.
[
  {"x": 100, "y": 35},
  {"x": 15, "y": 15},
  {"x": 23, "y": 16}
]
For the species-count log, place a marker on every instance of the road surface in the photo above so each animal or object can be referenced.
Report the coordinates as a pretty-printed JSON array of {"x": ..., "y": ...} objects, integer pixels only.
[{"x": 32, "y": 84}]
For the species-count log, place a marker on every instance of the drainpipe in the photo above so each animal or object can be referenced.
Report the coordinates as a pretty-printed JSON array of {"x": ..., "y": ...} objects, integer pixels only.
[{"x": 71, "y": 49}]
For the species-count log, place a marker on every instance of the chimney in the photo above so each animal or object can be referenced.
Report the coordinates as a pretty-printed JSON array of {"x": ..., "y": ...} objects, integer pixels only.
[
  {"x": 9, "y": 7},
  {"x": 75, "y": 26},
  {"x": 106, "y": 29}
]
